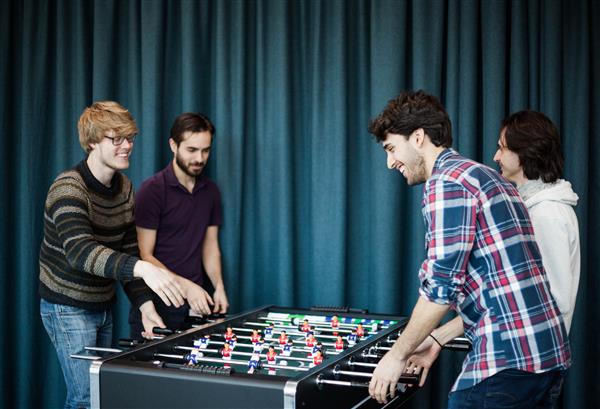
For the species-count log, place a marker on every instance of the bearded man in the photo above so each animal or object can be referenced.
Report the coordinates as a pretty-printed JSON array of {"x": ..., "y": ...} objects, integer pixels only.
[{"x": 177, "y": 217}]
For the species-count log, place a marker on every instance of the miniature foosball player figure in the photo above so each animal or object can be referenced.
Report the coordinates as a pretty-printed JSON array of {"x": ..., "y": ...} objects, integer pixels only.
[
  {"x": 269, "y": 331},
  {"x": 202, "y": 342},
  {"x": 193, "y": 356},
  {"x": 311, "y": 340},
  {"x": 351, "y": 338},
  {"x": 283, "y": 338},
  {"x": 226, "y": 351},
  {"x": 317, "y": 347},
  {"x": 288, "y": 348},
  {"x": 271, "y": 355},
  {"x": 317, "y": 358},
  {"x": 258, "y": 346},
  {"x": 255, "y": 336},
  {"x": 335, "y": 324},
  {"x": 360, "y": 331},
  {"x": 305, "y": 327},
  {"x": 254, "y": 363},
  {"x": 340, "y": 345},
  {"x": 229, "y": 333},
  {"x": 232, "y": 342}
]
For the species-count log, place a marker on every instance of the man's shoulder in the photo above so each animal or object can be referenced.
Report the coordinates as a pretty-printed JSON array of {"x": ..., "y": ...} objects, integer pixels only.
[
  {"x": 154, "y": 183},
  {"x": 68, "y": 180},
  {"x": 67, "y": 187},
  {"x": 473, "y": 176}
]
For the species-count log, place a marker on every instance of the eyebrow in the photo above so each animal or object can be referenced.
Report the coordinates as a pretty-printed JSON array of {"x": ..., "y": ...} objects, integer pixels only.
[{"x": 387, "y": 146}]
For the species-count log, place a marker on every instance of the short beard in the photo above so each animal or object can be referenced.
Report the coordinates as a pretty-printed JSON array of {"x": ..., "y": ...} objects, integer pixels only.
[
  {"x": 419, "y": 173},
  {"x": 185, "y": 168}
]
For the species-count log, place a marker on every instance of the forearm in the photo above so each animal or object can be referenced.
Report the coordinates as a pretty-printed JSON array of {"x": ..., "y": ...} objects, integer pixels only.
[
  {"x": 151, "y": 259},
  {"x": 425, "y": 317},
  {"x": 449, "y": 331},
  {"x": 212, "y": 266}
]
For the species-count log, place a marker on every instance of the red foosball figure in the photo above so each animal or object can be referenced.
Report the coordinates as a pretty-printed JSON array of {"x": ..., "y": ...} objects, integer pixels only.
[
  {"x": 335, "y": 323},
  {"x": 255, "y": 336},
  {"x": 283, "y": 338},
  {"x": 271, "y": 355},
  {"x": 317, "y": 357},
  {"x": 360, "y": 331},
  {"x": 339, "y": 343},
  {"x": 310, "y": 340},
  {"x": 226, "y": 351},
  {"x": 229, "y": 333},
  {"x": 305, "y": 326}
]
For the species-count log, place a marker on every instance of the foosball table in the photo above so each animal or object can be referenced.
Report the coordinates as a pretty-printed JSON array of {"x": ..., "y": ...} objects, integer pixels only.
[{"x": 271, "y": 357}]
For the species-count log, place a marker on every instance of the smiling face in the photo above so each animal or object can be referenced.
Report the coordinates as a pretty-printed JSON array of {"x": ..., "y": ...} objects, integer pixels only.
[
  {"x": 404, "y": 157},
  {"x": 192, "y": 152},
  {"x": 111, "y": 156}
]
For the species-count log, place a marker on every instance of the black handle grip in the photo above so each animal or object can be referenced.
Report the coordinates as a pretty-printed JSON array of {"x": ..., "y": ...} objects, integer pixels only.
[{"x": 162, "y": 331}]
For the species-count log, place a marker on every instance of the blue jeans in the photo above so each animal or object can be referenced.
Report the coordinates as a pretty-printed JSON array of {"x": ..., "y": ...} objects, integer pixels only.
[
  {"x": 71, "y": 329},
  {"x": 511, "y": 389}
]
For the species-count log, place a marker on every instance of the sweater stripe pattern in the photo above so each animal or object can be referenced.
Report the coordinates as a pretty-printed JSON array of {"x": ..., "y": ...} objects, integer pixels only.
[{"x": 89, "y": 241}]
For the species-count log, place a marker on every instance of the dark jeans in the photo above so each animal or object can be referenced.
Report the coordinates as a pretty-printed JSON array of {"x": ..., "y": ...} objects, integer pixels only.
[{"x": 511, "y": 389}]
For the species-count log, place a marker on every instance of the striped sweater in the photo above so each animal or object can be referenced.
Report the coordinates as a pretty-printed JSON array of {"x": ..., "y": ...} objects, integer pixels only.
[{"x": 89, "y": 241}]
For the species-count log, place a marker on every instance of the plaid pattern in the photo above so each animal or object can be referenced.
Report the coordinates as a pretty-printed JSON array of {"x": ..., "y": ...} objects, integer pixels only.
[{"x": 483, "y": 260}]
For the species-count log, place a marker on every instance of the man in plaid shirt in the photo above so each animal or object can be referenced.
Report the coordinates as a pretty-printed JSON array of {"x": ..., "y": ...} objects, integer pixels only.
[{"x": 482, "y": 261}]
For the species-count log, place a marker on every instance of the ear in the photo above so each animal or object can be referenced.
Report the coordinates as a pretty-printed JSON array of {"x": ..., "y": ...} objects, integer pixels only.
[
  {"x": 173, "y": 145},
  {"x": 419, "y": 137}
]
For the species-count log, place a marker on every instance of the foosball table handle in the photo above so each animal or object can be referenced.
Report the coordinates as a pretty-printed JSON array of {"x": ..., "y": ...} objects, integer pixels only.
[{"x": 162, "y": 331}]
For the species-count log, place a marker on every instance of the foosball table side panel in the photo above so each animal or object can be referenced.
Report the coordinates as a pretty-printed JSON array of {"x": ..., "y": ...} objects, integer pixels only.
[{"x": 124, "y": 386}]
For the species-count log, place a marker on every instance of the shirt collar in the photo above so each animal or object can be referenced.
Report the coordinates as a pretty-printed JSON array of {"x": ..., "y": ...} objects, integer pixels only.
[
  {"x": 172, "y": 179},
  {"x": 97, "y": 186},
  {"x": 442, "y": 157}
]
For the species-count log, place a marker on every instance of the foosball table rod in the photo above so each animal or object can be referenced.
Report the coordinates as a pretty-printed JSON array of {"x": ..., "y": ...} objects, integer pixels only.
[
  {"x": 240, "y": 353},
  {"x": 234, "y": 362},
  {"x": 405, "y": 378},
  {"x": 287, "y": 328},
  {"x": 374, "y": 326}
]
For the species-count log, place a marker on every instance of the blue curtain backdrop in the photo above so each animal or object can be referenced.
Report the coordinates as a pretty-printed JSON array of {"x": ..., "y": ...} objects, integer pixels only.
[{"x": 312, "y": 215}]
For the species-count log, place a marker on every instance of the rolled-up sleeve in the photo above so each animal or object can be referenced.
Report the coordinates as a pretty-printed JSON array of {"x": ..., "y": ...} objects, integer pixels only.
[{"x": 450, "y": 213}]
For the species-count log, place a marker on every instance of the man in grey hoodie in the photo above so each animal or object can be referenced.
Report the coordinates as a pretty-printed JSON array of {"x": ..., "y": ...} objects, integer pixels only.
[{"x": 529, "y": 155}]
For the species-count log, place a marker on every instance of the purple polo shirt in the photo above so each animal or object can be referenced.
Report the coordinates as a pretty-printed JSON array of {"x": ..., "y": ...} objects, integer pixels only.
[{"x": 180, "y": 219}]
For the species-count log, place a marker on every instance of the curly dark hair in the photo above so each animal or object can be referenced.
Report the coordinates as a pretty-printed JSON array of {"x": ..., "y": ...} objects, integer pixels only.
[
  {"x": 535, "y": 139},
  {"x": 410, "y": 111},
  {"x": 190, "y": 122}
]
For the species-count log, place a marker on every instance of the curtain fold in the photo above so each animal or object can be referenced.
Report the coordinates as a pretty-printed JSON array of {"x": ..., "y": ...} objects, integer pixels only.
[{"x": 311, "y": 214}]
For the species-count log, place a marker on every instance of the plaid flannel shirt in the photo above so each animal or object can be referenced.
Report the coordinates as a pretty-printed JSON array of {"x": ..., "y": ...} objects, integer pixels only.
[{"x": 483, "y": 260}]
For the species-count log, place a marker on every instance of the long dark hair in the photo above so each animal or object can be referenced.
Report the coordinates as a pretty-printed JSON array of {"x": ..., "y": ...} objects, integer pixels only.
[{"x": 535, "y": 139}]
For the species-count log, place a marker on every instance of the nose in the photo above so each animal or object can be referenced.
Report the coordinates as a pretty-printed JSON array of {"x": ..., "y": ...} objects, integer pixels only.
[
  {"x": 390, "y": 161},
  {"x": 497, "y": 156},
  {"x": 127, "y": 143}
]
